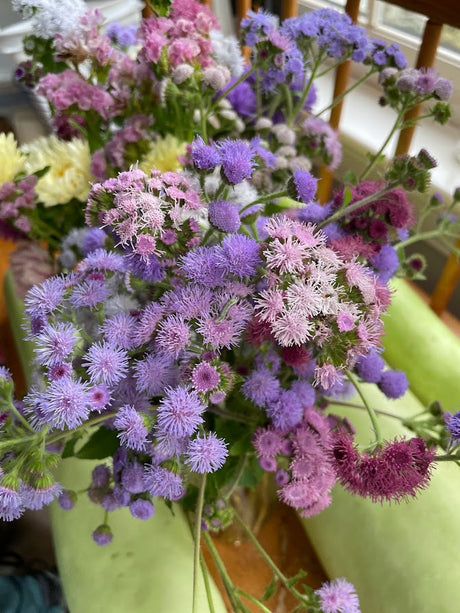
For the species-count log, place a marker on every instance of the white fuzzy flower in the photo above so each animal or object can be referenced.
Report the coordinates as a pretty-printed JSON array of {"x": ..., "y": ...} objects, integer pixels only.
[
  {"x": 226, "y": 51},
  {"x": 51, "y": 16}
]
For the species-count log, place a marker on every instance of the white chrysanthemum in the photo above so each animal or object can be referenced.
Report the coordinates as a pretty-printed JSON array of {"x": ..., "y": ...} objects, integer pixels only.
[
  {"x": 51, "y": 16},
  {"x": 163, "y": 155},
  {"x": 69, "y": 169},
  {"x": 11, "y": 158}
]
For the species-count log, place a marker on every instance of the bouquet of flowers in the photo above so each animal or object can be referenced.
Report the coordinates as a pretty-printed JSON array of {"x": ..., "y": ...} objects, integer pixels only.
[{"x": 210, "y": 308}]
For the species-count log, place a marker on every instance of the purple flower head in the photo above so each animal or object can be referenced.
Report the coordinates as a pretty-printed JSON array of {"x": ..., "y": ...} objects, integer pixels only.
[
  {"x": 154, "y": 373},
  {"x": 100, "y": 476},
  {"x": 94, "y": 239},
  {"x": 267, "y": 442},
  {"x": 303, "y": 186},
  {"x": 386, "y": 262},
  {"x": 179, "y": 413},
  {"x": 370, "y": 367},
  {"x": 45, "y": 298},
  {"x": 105, "y": 364},
  {"x": 11, "y": 506},
  {"x": 67, "y": 500},
  {"x": 286, "y": 411},
  {"x": 224, "y": 215},
  {"x": 102, "y": 535},
  {"x": 104, "y": 260},
  {"x": 36, "y": 498},
  {"x": 206, "y": 454},
  {"x": 393, "y": 383},
  {"x": 205, "y": 157},
  {"x": 261, "y": 387},
  {"x": 205, "y": 377},
  {"x": 67, "y": 403},
  {"x": 133, "y": 432},
  {"x": 162, "y": 482},
  {"x": 89, "y": 293},
  {"x": 237, "y": 159},
  {"x": 173, "y": 336},
  {"x": 202, "y": 265},
  {"x": 99, "y": 397},
  {"x": 132, "y": 478},
  {"x": 239, "y": 256},
  {"x": 243, "y": 98},
  {"x": 338, "y": 596},
  {"x": 141, "y": 509},
  {"x": 453, "y": 425},
  {"x": 119, "y": 330},
  {"x": 55, "y": 343}
]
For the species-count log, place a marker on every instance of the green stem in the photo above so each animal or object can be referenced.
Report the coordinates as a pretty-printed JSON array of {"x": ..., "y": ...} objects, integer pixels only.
[
  {"x": 12, "y": 409},
  {"x": 228, "y": 583},
  {"x": 243, "y": 77},
  {"x": 375, "y": 157},
  {"x": 418, "y": 237},
  {"x": 242, "y": 465},
  {"x": 266, "y": 198},
  {"x": 370, "y": 410},
  {"x": 197, "y": 544},
  {"x": 229, "y": 415},
  {"x": 277, "y": 572},
  {"x": 359, "y": 406},
  {"x": 446, "y": 458},
  {"x": 346, "y": 210},
  {"x": 340, "y": 97},
  {"x": 207, "y": 585},
  {"x": 251, "y": 598}
]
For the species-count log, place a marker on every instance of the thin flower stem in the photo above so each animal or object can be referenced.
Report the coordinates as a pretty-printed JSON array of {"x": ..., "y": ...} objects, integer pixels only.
[
  {"x": 446, "y": 458},
  {"x": 207, "y": 585},
  {"x": 370, "y": 410},
  {"x": 229, "y": 415},
  {"x": 20, "y": 417},
  {"x": 359, "y": 406},
  {"x": 251, "y": 598},
  {"x": 339, "y": 98},
  {"x": 228, "y": 583},
  {"x": 242, "y": 465},
  {"x": 225, "y": 93},
  {"x": 395, "y": 127},
  {"x": 418, "y": 237},
  {"x": 266, "y": 198},
  {"x": 197, "y": 544},
  {"x": 277, "y": 571},
  {"x": 346, "y": 210},
  {"x": 90, "y": 423}
]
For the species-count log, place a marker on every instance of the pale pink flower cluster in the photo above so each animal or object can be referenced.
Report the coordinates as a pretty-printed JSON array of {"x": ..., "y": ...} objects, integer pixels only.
[{"x": 313, "y": 296}]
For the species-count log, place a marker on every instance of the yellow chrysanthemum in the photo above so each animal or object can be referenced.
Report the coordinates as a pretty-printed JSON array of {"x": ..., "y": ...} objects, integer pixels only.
[
  {"x": 163, "y": 155},
  {"x": 69, "y": 169},
  {"x": 11, "y": 158}
]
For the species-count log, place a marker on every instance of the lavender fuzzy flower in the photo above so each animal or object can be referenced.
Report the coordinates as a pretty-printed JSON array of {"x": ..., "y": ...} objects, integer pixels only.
[
  {"x": 206, "y": 454},
  {"x": 338, "y": 596},
  {"x": 133, "y": 432},
  {"x": 237, "y": 159},
  {"x": 224, "y": 215}
]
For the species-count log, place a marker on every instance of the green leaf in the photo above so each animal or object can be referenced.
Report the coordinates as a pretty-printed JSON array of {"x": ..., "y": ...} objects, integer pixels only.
[
  {"x": 270, "y": 589},
  {"x": 102, "y": 444},
  {"x": 350, "y": 177},
  {"x": 69, "y": 447},
  {"x": 347, "y": 196}
]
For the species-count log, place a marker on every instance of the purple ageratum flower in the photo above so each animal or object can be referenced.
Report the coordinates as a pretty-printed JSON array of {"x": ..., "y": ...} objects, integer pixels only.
[
  {"x": 104, "y": 260},
  {"x": 242, "y": 98},
  {"x": 338, "y": 596},
  {"x": 267, "y": 442},
  {"x": 224, "y": 215},
  {"x": 202, "y": 265},
  {"x": 261, "y": 387},
  {"x": 179, "y": 413},
  {"x": 205, "y": 157},
  {"x": 67, "y": 500},
  {"x": 162, "y": 482},
  {"x": 94, "y": 239},
  {"x": 141, "y": 509},
  {"x": 386, "y": 262},
  {"x": 11, "y": 506},
  {"x": 206, "y": 454},
  {"x": 239, "y": 256},
  {"x": 133, "y": 432},
  {"x": 453, "y": 425},
  {"x": 67, "y": 403},
  {"x": 89, "y": 293},
  {"x": 286, "y": 411},
  {"x": 205, "y": 377},
  {"x": 303, "y": 186},
  {"x": 105, "y": 364},
  {"x": 393, "y": 383},
  {"x": 119, "y": 330},
  {"x": 154, "y": 373},
  {"x": 37, "y": 498},
  {"x": 173, "y": 336},
  {"x": 132, "y": 478},
  {"x": 237, "y": 160},
  {"x": 55, "y": 343},
  {"x": 370, "y": 366},
  {"x": 147, "y": 267},
  {"x": 45, "y": 298},
  {"x": 100, "y": 476},
  {"x": 102, "y": 535},
  {"x": 99, "y": 397}
]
